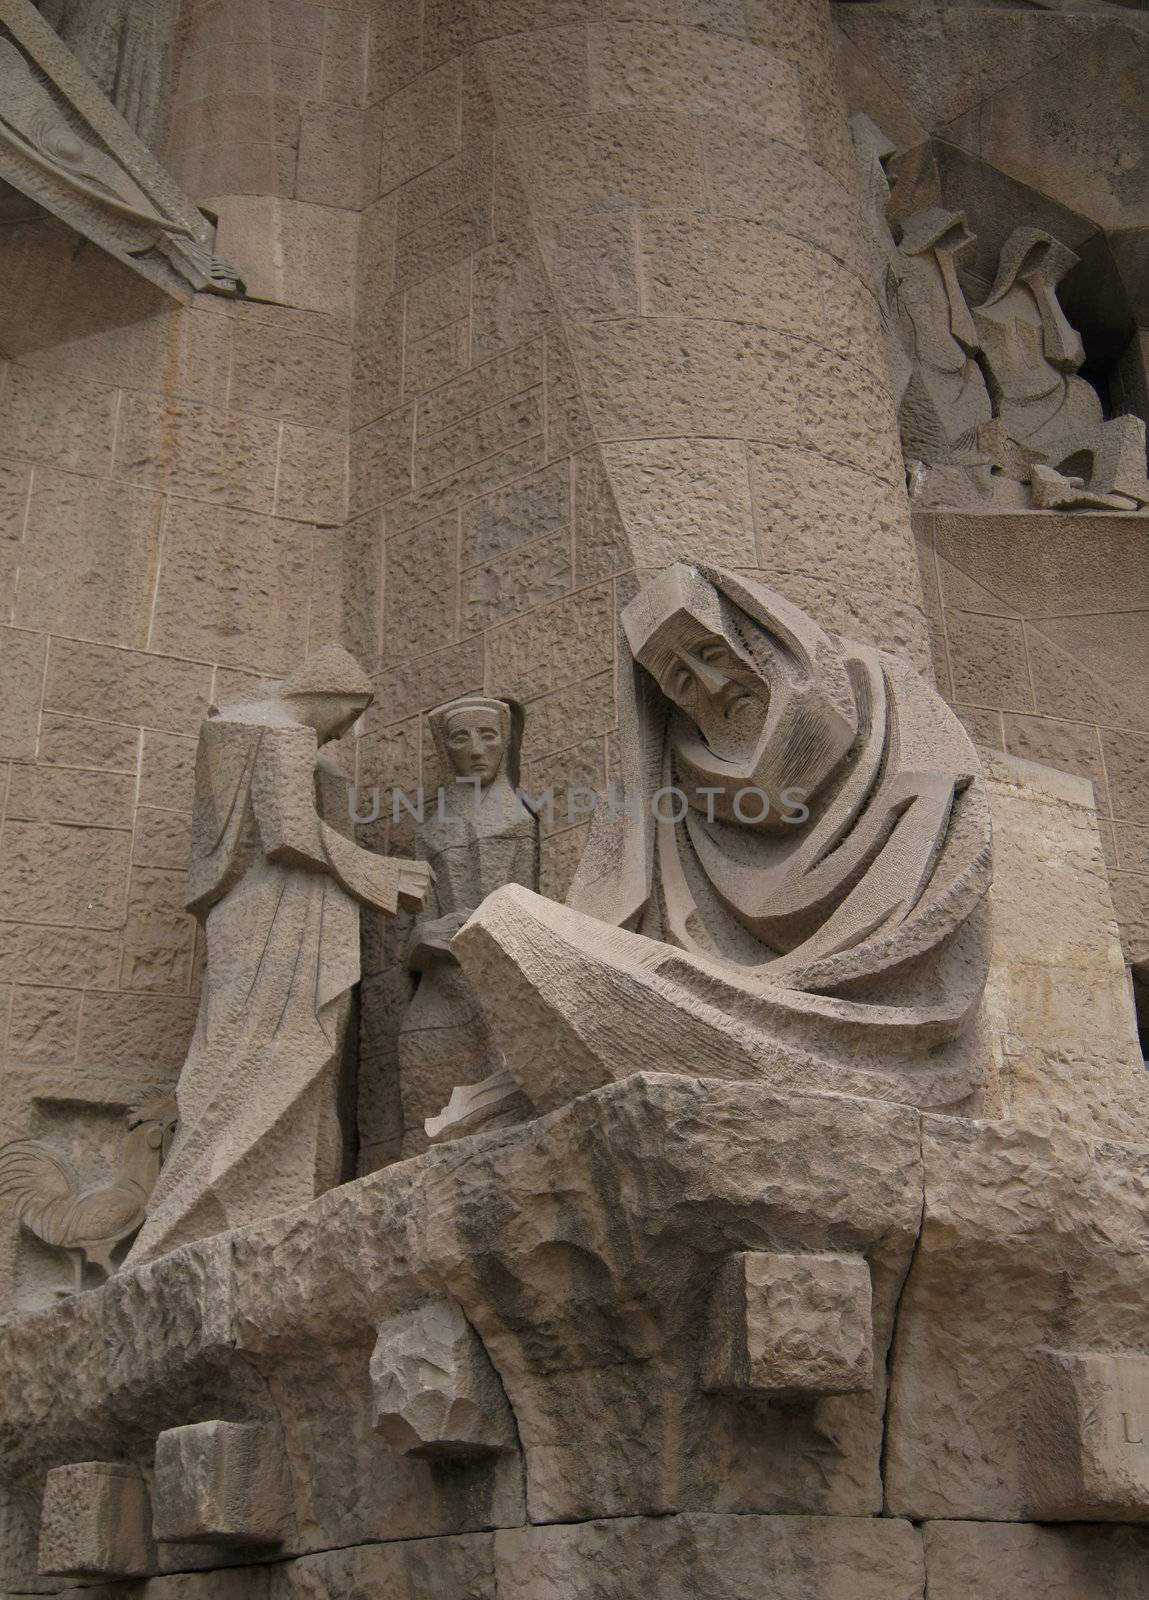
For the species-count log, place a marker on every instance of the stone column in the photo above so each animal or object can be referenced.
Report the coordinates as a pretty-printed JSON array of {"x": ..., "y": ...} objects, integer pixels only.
[{"x": 690, "y": 184}]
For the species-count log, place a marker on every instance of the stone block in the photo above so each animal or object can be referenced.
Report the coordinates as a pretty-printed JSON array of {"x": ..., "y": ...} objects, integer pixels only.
[
  {"x": 569, "y": 716},
  {"x": 437, "y": 359},
  {"x": 768, "y": 181},
  {"x": 730, "y": 269},
  {"x": 42, "y": 1025},
  {"x": 499, "y": 379},
  {"x": 62, "y": 421},
  {"x": 419, "y": 589},
  {"x": 221, "y": 1483},
  {"x": 77, "y": 958},
  {"x": 420, "y": 126},
  {"x": 288, "y": 375},
  {"x": 381, "y": 467},
  {"x": 95, "y": 1522},
  {"x": 15, "y": 481},
  {"x": 429, "y": 681},
  {"x": 719, "y": 1557},
  {"x": 524, "y": 511},
  {"x": 312, "y": 485},
  {"x": 334, "y": 157},
  {"x": 136, "y": 1032},
  {"x": 167, "y": 771},
  {"x": 22, "y": 673},
  {"x": 601, "y": 545},
  {"x": 159, "y": 935},
  {"x": 91, "y": 680},
  {"x": 568, "y": 425},
  {"x": 88, "y": 799},
  {"x": 89, "y": 555},
  {"x": 559, "y": 856},
  {"x": 659, "y": 376},
  {"x": 790, "y": 1325},
  {"x": 511, "y": 299},
  {"x": 345, "y": 57},
  {"x": 592, "y": 264},
  {"x": 558, "y": 644},
  {"x": 505, "y": 586},
  {"x": 233, "y": 587},
  {"x": 161, "y": 839},
  {"x": 69, "y": 742},
  {"x": 846, "y": 410},
  {"x": 637, "y": 66},
  {"x": 72, "y": 876},
  {"x": 1023, "y": 1561},
  {"x": 469, "y": 484},
  {"x": 609, "y": 162},
  {"x": 460, "y": 1567},
  {"x": 988, "y": 661},
  {"x": 677, "y": 497},
  {"x": 1087, "y": 1437},
  {"x": 1070, "y": 746},
  {"x": 291, "y": 252},
  {"x": 196, "y": 450},
  {"x": 815, "y": 515},
  {"x": 1127, "y": 767},
  {"x": 434, "y": 1391},
  {"x": 486, "y": 433}
]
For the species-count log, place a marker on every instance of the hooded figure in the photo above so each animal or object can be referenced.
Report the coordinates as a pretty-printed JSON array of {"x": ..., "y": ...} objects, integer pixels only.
[
  {"x": 478, "y": 836},
  {"x": 276, "y": 881},
  {"x": 789, "y": 885}
]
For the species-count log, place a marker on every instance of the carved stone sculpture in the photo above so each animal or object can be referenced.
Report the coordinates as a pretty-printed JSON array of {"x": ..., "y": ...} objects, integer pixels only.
[
  {"x": 989, "y": 403},
  {"x": 88, "y": 1223},
  {"x": 478, "y": 835},
  {"x": 65, "y": 146},
  {"x": 790, "y": 884},
  {"x": 123, "y": 44},
  {"x": 277, "y": 882},
  {"x": 1033, "y": 355},
  {"x": 945, "y": 398}
]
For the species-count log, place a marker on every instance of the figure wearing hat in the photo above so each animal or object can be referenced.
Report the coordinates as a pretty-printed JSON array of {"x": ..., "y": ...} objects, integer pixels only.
[{"x": 276, "y": 880}]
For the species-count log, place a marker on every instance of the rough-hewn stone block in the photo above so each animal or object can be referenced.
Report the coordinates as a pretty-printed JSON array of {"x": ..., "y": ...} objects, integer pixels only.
[{"x": 94, "y": 1522}]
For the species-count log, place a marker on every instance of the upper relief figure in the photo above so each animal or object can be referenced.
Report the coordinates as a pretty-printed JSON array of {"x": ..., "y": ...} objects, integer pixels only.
[
  {"x": 479, "y": 835},
  {"x": 990, "y": 407},
  {"x": 277, "y": 882},
  {"x": 789, "y": 883}
]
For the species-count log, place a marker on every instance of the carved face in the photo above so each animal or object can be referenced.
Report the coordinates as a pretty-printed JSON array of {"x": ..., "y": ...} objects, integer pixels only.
[
  {"x": 712, "y": 679},
  {"x": 476, "y": 743}
]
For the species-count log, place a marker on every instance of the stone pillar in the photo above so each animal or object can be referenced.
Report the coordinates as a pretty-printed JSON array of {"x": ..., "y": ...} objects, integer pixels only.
[{"x": 690, "y": 184}]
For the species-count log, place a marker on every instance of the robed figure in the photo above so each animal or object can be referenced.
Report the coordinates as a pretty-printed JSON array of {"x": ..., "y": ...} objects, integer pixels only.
[
  {"x": 477, "y": 833},
  {"x": 276, "y": 881},
  {"x": 787, "y": 882}
]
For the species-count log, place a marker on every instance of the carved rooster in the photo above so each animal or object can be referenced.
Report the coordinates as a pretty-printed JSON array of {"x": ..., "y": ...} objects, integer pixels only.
[{"x": 88, "y": 1223}]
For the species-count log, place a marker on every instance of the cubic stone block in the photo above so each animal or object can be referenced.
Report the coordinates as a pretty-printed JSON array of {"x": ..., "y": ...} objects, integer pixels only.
[
  {"x": 435, "y": 1391},
  {"x": 1087, "y": 1437},
  {"x": 222, "y": 1483},
  {"x": 94, "y": 1522},
  {"x": 790, "y": 1325}
]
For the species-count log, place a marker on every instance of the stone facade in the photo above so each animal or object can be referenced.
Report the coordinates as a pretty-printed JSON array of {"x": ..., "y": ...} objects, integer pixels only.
[{"x": 543, "y": 297}]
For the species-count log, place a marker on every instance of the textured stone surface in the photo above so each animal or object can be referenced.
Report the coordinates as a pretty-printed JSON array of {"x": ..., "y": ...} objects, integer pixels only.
[
  {"x": 434, "y": 1390},
  {"x": 790, "y": 1325},
  {"x": 996, "y": 1561},
  {"x": 220, "y": 1483},
  {"x": 727, "y": 1558},
  {"x": 95, "y": 1521}
]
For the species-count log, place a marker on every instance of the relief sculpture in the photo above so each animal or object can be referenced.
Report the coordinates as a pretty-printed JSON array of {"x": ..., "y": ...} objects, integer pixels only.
[
  {"x": 277, "y": 882},
  {"x": 788, "y": 884}
]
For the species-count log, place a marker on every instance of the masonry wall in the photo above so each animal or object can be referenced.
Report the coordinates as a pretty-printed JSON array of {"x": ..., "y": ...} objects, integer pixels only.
[{"x": 172, "y": 501}]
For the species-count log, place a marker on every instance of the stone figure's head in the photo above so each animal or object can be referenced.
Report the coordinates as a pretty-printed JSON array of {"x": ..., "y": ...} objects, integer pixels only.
[
  {"x": 1031, "y": 265},
  {"x": 473, "y": 735},
  {"x": 328, "y": 692},
  {"x": 763, "y": 685}
]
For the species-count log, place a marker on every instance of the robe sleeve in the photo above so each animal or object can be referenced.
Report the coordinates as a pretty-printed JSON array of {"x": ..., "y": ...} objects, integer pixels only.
[{"x": 294, "y": 835}]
